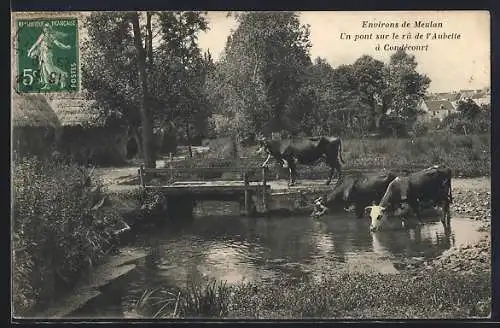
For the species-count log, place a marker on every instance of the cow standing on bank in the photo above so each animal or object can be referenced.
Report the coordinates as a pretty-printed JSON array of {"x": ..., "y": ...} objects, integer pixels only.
[
  {"x": 430, "y": 185},
  {"x": 359, "y": 191},
  {"x": 307, "y": 151}
]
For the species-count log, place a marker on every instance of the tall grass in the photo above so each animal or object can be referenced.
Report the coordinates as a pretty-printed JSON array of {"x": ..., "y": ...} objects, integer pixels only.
[
  {"x": 466, "y": 155},
  {"x": 61, "y": 227},
  {"x": 435, "y": 294},
  {"x": 198, "y": 299}
]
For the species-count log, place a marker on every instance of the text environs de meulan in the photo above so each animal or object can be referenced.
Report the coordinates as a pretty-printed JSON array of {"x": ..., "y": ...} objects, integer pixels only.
[{"x": 416, "y": 24}]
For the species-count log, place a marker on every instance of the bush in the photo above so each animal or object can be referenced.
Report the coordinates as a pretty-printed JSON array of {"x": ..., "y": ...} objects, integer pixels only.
[
  {"x": 61, "y": 227},
  {"x": 478, "y": 122}
]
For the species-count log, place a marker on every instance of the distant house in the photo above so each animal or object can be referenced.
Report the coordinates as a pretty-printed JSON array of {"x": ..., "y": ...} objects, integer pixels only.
[
  {"x": 448, "y": 96},
  {"x": 466, "y": 94},
  {"x": 435, "y": 109},
  {"x": 481, "y": 98},
  {"x": 85, "y": 137},
  {"x": 35, "y": 126}
]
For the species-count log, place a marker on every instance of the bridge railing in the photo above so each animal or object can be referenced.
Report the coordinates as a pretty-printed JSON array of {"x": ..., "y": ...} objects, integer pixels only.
[{"x": 170, "y": 175}]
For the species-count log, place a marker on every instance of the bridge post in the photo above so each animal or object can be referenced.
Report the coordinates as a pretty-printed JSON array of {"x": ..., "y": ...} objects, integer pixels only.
[
  {"x": 171, "y": 159},
  {"x": 140, "y": 171},
  {"x": 264, "y": 188},
  {"x": 247, "y": 193}
]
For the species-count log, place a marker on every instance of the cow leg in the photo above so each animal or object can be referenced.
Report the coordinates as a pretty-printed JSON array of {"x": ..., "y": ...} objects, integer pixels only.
[
  {"x": 333, "y": 168},
  {"x": 339, "y": 174},
  {"x": 415, "y": 208},
  {"x": 330, "y": 176},
  {"x": 293, "y": 172},
  {"x": 267, "y": 160},
  {"x": 281, "y": 164},
  {"x": 445, "y": 219}
]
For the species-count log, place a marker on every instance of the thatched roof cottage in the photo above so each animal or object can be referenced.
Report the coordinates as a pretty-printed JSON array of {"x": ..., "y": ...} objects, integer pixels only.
[
  {"x": 35, "y": 126},
  {"x": 86, "y": 137}
]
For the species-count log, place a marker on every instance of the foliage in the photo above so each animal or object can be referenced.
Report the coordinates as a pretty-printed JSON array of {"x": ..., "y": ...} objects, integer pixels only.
[
  {"x": 179, "y": 76},
  {"x": 470, "y": 118},
  {"x": 208, "y": 299},
  {"x": 265, "y": 82},
  {"x": 174, "y": 69},
  {"x": 370, "y": 76},
  {"x": 438, "y": 294},
  {"x": 61, "y": 226},
  {"x": 260, "y": 70},
  {"x": 465, "y": 155},
  {"x": 468, "y": 155},
  {"x": 405, "y": 86}
]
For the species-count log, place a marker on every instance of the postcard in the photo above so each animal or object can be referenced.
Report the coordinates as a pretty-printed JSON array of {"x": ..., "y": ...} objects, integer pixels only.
[{"x": 251, "y": 165}]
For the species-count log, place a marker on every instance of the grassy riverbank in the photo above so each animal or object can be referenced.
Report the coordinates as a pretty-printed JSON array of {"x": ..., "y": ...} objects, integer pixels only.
[
  {"x": 62, "y": 227},
  {"x": 434, "y": 293},
  {"x": 467, "y": 155},
  {"x": 455, "y": 285}
]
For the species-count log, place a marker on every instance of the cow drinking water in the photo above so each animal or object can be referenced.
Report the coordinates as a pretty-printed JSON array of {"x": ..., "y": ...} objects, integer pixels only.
[
  {"x": 429, "y": 185},
  {"x": 307, "y": 151},
  {"x": 359, "y": 191}
]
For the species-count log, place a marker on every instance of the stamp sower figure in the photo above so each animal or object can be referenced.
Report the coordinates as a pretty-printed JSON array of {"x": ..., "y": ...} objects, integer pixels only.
[{"x": 42, "y": 48}]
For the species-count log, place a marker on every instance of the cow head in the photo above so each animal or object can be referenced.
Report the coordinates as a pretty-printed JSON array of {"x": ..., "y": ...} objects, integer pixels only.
[
  {"x": 319, "y": 207},
  {"x": 377, "y": 215},
  {"x": 263, "y": 144}
]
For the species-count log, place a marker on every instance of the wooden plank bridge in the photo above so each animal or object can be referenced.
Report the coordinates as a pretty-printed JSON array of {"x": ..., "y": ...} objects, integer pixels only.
[
  {"x": 244, "y": 185},
  {"x": 181, "y": 196}
]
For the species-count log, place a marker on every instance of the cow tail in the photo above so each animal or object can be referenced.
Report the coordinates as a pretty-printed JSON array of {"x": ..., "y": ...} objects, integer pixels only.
[{"x": 340, "y": 151}]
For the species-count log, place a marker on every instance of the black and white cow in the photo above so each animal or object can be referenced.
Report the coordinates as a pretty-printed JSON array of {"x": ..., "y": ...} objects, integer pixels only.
[{"x": 429, "y": 185}]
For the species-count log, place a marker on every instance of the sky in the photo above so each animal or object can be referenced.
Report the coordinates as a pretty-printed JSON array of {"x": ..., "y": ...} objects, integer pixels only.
[{"x": 462, "y": 62}]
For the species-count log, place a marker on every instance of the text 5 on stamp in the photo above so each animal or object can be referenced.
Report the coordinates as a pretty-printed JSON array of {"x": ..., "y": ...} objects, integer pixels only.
[{"x": 48, "y": 55}]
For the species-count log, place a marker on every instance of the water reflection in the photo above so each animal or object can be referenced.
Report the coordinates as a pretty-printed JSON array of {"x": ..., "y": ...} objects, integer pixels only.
[{"x": 264, "y": 249}]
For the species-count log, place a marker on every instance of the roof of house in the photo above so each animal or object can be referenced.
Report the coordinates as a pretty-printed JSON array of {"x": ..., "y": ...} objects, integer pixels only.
[
  {"x": 482, "y": 100},
  {"x": 32, "y": 110},
  {"x": 445, "y": 96},
  {"x": 480, "y": 95},
  {"x": 467, "y": 93},
  {"x": 436, "y": 105},
  {"x": 75, "y": 109}
]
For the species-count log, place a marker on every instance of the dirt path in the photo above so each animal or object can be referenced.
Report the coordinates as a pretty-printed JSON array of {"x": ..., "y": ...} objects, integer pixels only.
[
  {"x": 116, "y": 175},
  {"x": 472, "y": 184}
]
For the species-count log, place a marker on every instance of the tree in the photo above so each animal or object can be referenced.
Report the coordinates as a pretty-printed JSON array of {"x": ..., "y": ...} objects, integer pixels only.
[
  {"x": 468, "y": 109},
  {"x": 147, "y": 127},
  {"x": 260, "y": 71},
  {"x": 348, "y": 110},
  {"x": 469, "y": 118},
  {"x": 369, "y": 75},
  {"x": 405, "y": 87},
  {"x": 180, "y": 76},
  {"x": 125, "y": 68},
  {"x": 314, "y": 100}
]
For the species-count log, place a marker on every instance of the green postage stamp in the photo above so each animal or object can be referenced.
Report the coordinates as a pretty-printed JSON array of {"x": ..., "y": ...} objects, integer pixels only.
[{"x": 47, "y": 55}]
